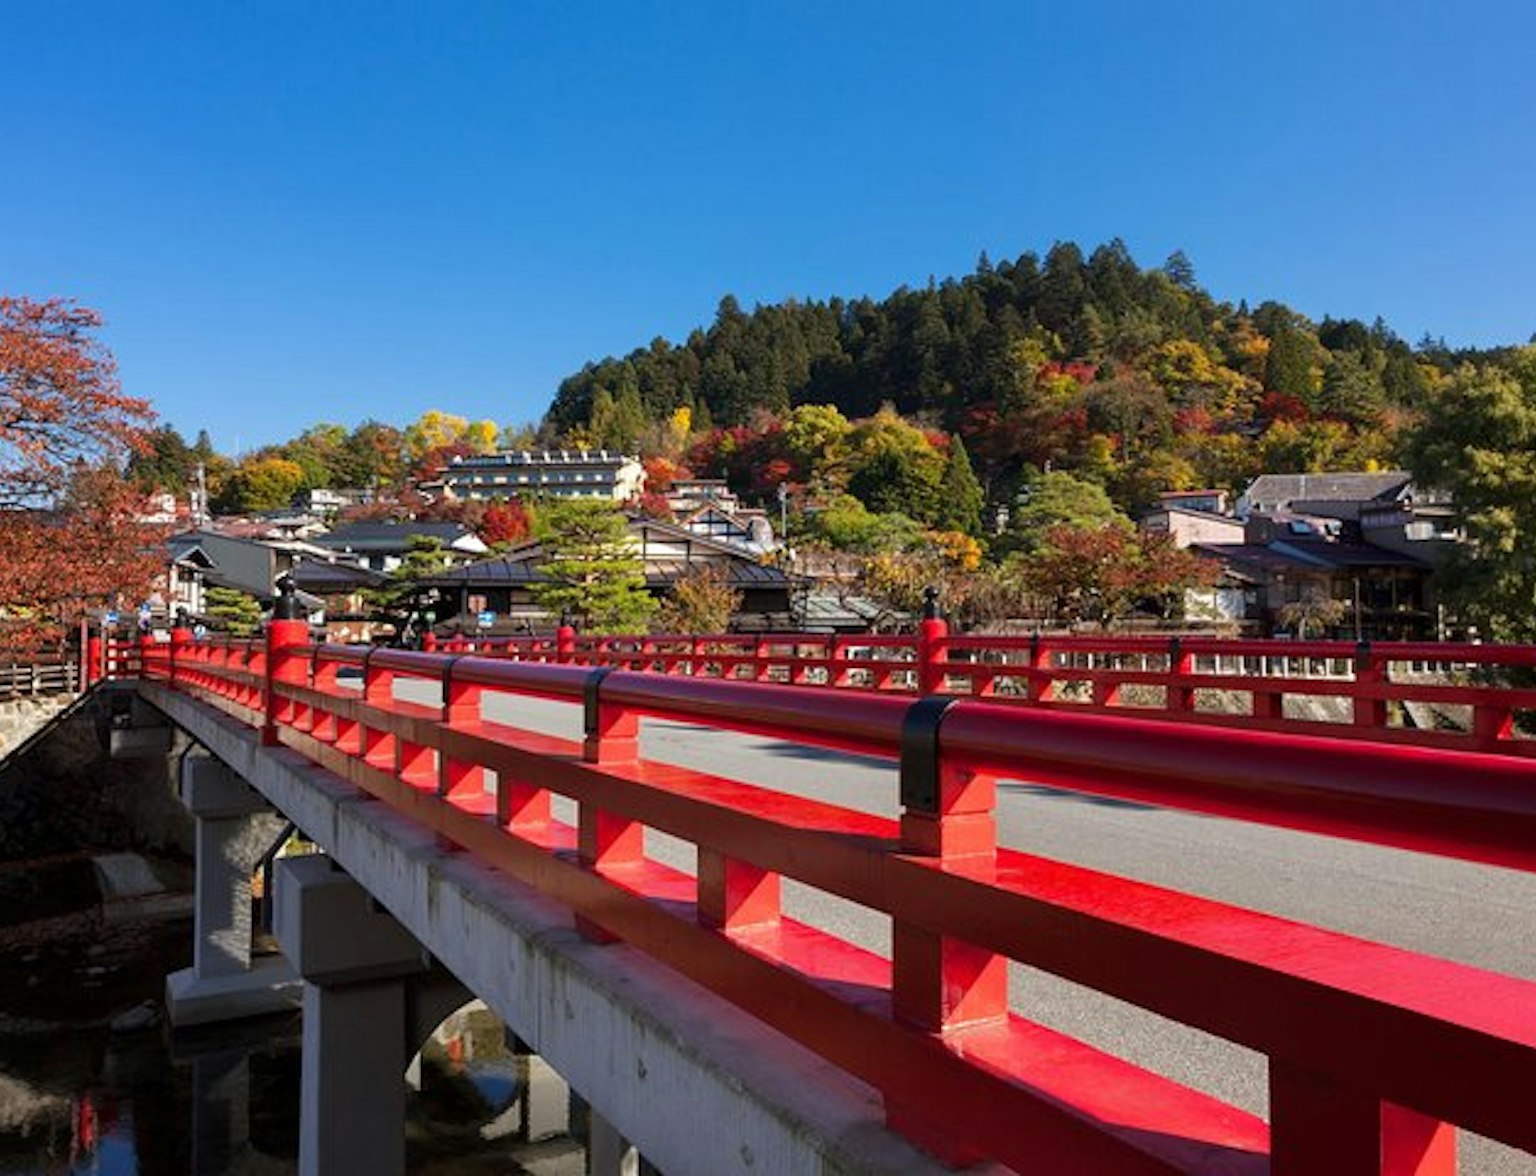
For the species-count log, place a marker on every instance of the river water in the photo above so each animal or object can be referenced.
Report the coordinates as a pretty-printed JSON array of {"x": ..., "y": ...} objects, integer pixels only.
[{"x": 93, "y": 1081}]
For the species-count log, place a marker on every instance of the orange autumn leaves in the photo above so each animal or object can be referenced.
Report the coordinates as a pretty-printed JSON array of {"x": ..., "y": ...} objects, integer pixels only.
[{"x": 70, "y": 533}]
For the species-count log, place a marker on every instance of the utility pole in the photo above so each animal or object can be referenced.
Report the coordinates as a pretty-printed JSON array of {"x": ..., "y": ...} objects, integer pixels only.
[{"x": 784, "y": 516}]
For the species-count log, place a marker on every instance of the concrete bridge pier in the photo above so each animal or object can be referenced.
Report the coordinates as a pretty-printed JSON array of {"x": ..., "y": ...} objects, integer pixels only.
[
  {"x": 372, "y": 995},
  {"x": 235, "y": 826}
]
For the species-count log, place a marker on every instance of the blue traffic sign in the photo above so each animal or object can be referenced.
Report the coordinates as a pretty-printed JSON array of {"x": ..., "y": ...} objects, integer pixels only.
[{"x": 487, "y": 619}]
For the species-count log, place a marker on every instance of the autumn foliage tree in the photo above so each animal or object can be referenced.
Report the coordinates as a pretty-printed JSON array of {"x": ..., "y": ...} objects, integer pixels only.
[
  {"x": 92, "y": 552},
  {"x": 702, "y": 601},
  {"x": 69, "y": 524},
  {"x": 1105, "y": 573},
  {"x": 505, "y": 522},
  {"x": 60, "y": 401}
]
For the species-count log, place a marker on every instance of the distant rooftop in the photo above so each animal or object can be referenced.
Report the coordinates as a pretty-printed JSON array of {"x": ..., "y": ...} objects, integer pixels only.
[
  {"x": 390, "y": 536},
  {"x": 516, "y": 457},
  {"x": 1282, "y": 489}
]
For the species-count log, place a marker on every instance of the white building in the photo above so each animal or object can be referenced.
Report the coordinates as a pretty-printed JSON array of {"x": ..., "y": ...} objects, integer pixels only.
[{"x": 551, "y": 473}]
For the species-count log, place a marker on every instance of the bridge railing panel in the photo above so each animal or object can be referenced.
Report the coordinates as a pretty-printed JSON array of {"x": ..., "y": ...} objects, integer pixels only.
[{"x": 1433, "y": 694}]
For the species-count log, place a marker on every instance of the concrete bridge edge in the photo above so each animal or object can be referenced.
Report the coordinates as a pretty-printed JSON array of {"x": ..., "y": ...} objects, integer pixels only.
[{"x": 697, "y": 1085}]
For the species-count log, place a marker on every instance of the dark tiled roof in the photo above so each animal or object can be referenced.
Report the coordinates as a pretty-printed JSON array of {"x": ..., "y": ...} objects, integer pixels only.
[
  {"x": 1305, "y": 554},
  {"x": 1353, "y": 555},
  {"x": 389, "y": 536},
  {"x": 316, "y": 576},
  {"x": 741, "y": 573},
  {"x": 502, "y": 572},
  {"x": 1325, "y": 487},
  {"x": 1256, "y": 556}
]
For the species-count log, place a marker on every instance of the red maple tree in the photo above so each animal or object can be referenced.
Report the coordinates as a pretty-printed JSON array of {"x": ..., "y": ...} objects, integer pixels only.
[
  {"x": 505, "y": 522},
  {"x": 60, "y": 400},
  {"x": 69, "y": 523}
]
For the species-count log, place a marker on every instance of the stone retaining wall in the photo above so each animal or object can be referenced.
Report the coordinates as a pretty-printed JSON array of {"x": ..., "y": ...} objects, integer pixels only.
[
  {"x": 21, "y": 718},
  {"x": 63, "y": 794}
]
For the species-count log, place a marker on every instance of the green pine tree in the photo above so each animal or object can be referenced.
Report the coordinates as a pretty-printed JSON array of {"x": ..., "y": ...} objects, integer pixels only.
[
  {"x": 960, "y": 494},
  {"x": 1288, "y": 367},
  {"x": 232, "y": 611},
  {"x": 591, "y": 567},
  {"x": 400, "y": 597}
]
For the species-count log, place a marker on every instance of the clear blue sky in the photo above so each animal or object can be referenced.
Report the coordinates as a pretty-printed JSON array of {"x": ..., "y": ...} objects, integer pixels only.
[{"x": 326, "y": 211}]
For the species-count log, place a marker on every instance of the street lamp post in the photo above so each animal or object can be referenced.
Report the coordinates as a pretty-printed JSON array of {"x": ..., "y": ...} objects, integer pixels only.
[{"x": 783, "y": 515}]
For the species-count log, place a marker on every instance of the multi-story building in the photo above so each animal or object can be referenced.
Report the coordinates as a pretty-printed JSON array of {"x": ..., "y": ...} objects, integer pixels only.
[{"x": 551, "y": 473}]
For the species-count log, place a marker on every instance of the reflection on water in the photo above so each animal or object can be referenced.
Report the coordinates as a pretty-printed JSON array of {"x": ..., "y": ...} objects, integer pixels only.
[{"x": 91, "y": 1081}]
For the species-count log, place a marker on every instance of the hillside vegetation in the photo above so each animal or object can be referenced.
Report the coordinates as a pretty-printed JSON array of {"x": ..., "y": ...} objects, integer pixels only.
[{"x": 1136, "y": 379}]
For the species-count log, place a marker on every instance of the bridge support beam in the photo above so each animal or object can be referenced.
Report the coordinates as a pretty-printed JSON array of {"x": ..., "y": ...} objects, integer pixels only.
[
  {"x": 235, "y": 828},
  {"x": 371, "y": 995}
]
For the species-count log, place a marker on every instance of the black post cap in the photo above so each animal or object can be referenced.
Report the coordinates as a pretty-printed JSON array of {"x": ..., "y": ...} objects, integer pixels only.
[
  {"x": 287, "y": 607},
  {"x": 931, "y": 603}
]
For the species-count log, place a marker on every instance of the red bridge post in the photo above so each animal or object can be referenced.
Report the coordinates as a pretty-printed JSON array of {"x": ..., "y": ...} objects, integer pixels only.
[
  {"x": 461, "y": 708},
  {"x": 1320, "y": 1126},
  {"x": 1180, "y": 698},
  {"x": 932, "y": 645},
  {"x": 181, "y": 640},
  {"x": 286, "y": 629},
  {"x": 1370, "y": 712},
  {"x": 146, "y": 652},
  {"x": 942, "y": 984},
  {"x": 95, "y": 658},
  {"x": 606, "y": 840}
]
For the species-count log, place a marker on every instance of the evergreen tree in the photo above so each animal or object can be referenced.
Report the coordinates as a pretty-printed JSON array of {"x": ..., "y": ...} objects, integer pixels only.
[
  {"x": 600, "y": 421},
  {"x": 1062, "y": 289},
  {"x": 399, "y": 599},
  {"x": 232, "y": 611},
  {"x": 1179, "y": 270},
  {"x": 1288, "y": 367},
  {"x": 960, "y": 496},
  {"x": 629, "y": 420},
  {"x": 1351, "y": 391},
  {"x": 592, "y": 569},
  {"x": 165, "y": 464}
]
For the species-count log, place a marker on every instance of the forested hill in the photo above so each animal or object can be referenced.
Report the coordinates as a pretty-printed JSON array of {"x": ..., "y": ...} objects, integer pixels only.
[{"x": 1136, "y": 377}]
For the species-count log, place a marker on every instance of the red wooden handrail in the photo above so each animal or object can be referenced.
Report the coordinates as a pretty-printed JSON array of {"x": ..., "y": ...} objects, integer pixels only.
[
  {"x": 1335, "y": 688},
  {"x": 1356, "y": 1033}
]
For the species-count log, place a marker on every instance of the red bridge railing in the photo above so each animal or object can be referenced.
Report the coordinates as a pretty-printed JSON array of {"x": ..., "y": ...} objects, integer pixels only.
[
  {"x": 1425, "y": 693},
  {"x": 1374, "y": 1051}
]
